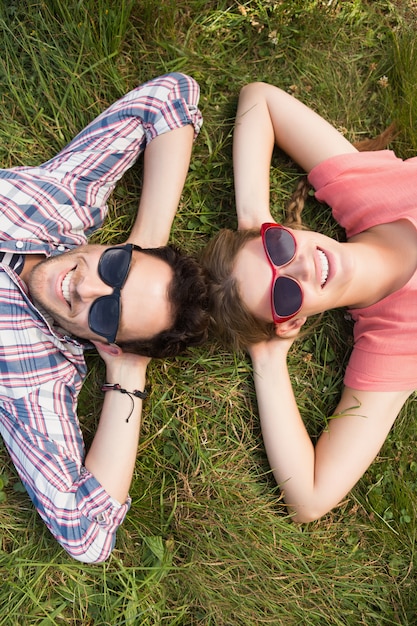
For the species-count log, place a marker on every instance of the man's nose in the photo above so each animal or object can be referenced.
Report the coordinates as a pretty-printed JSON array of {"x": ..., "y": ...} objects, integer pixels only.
[{"x": 90, "y": 286}]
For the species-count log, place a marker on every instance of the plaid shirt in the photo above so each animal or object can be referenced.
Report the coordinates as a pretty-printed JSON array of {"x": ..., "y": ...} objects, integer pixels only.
[{"x": 50, "y": 209}]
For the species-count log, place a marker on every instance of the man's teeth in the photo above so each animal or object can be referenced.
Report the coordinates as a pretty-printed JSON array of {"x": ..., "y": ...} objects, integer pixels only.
[
  {"x": 324, "y": 267},
  {"x": 65, "y": 286}
]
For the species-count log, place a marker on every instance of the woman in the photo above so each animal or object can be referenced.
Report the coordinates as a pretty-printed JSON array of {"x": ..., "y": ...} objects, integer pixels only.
[{"x": 267, "y": 280}]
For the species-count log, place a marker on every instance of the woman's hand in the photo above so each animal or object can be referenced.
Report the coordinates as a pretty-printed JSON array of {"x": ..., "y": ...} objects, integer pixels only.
[
  {"x": 249, "y": 218},
  {"x": 265, "y": 350}
]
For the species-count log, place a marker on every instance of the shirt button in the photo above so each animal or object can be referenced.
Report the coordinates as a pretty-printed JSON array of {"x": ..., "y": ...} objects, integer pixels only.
[
  {"x": 61, "y": 248},
  {"x": 19, "y": 244},
  {"x": 100, "y": 518}
]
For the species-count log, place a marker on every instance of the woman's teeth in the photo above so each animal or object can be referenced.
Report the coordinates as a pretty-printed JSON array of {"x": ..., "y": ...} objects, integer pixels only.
[
  {"x": 324, "y": 267},
  {"x": 65, "y": 287}
]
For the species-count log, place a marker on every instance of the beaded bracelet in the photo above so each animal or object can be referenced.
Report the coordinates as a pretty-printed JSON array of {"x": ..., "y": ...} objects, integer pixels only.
[{"x": 136, "y": 393}]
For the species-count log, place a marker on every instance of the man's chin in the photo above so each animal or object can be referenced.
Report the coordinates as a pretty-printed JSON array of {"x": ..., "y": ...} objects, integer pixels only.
[{"x": 55, "y": 321}]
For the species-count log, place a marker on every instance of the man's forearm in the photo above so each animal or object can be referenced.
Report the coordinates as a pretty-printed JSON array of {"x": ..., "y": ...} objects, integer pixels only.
[
  {"x": 166, "y": 164},
  {"x": 112, "y": 455}
]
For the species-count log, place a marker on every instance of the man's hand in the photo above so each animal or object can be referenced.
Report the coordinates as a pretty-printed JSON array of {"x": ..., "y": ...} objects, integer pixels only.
[{"x": 121, "y": 366}]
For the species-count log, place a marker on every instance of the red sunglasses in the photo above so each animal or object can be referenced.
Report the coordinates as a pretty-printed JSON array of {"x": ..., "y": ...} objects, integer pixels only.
[{"x": 286, "y": 293}]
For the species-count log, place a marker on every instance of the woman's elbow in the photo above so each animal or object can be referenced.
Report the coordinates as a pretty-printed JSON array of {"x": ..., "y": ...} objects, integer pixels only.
[
  {"x": 306, "y": 514},
  {"x": 252, "y": 88}
]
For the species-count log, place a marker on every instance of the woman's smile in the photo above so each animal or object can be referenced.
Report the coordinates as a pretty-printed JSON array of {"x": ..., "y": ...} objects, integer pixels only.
[{"x": 323, "y": 267}]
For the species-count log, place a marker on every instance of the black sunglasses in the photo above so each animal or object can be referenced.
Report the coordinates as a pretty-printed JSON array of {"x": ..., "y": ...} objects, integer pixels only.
[
  {"x": 113, "y": 268},
  {"x": 286, "y": 293}
]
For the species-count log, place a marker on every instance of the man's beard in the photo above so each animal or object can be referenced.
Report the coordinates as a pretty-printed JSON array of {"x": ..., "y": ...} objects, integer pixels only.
[{"x": 37, "y": 281}]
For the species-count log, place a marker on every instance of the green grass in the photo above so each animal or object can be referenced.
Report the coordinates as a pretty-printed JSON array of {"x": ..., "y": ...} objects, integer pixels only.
[{"x": 208, "y": 541}]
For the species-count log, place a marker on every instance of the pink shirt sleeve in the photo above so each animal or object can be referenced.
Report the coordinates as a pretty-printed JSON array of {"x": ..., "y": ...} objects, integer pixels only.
[{"x": 366, "y": 188}]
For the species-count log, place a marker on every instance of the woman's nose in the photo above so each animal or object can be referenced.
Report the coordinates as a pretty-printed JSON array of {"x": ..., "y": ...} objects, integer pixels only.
[{"x": 297, "y": 268}]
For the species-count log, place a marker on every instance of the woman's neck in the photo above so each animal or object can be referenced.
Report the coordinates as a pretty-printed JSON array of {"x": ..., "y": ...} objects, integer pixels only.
[{"x": 388, "y": 254}]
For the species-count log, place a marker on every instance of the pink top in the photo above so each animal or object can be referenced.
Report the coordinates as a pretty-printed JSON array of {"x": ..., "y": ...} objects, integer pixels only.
[{"x": 365, "y": 189}]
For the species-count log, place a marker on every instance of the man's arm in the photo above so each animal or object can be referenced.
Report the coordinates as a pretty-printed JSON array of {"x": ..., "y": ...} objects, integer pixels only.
[
  {"x": 159, "y": 118},
  {"x": 166, "y": 163},
  {"x": 112, "y": 455}
]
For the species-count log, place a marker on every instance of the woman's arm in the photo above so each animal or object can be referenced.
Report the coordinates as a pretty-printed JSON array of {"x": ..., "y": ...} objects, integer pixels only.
[
  {"x": 316, "y": 479},
  {"x": 267, "y": 116}
]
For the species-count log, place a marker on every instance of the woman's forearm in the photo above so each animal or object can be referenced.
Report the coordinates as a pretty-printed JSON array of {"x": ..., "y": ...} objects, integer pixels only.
[
  {"x": 266, "y": 116},
  {"x": 316, "y": 479},
  {"x": 289, "y": 448},
  {"x": 253, "y": 143}
]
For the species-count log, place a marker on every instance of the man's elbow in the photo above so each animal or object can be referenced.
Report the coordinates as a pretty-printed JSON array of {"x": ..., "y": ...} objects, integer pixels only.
[
  {"x": 89, "y": 549},
  {"x": 90, "y": 555}
]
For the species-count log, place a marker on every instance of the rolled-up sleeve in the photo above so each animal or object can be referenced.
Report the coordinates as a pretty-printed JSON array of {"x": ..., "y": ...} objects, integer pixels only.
[{"x": 47, "y": 450}]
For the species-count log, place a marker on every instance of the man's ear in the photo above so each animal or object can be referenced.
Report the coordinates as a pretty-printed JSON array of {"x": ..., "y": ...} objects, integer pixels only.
[
  {"x": 108, "y": 348},
  {"x": 290, "y": 328}
]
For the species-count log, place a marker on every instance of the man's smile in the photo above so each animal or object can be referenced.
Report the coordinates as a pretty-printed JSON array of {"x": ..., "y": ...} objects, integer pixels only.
[{"x": 65, "y": 286}]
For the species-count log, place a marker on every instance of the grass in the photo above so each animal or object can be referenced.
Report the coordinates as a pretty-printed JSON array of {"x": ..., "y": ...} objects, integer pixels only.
[{"x": 208, "y": 541}]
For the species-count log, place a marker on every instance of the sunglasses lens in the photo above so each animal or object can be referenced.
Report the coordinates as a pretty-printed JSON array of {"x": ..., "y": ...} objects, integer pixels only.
[
  {"x": 287, "y": 296},
  {"x": 114, "y": 266},
  {"x": 280, "y": 245},
  {"x": 103, "y": 317}
]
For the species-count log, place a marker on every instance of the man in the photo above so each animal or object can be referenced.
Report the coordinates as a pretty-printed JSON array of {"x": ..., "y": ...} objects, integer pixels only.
[{"x": 59, "y": 293}]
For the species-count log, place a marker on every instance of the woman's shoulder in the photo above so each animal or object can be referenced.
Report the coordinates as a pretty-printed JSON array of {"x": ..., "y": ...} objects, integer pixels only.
[{"x": 365, "y": 189}]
